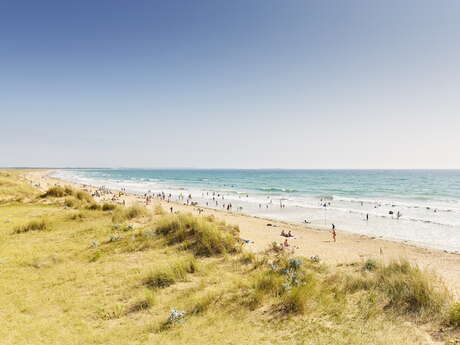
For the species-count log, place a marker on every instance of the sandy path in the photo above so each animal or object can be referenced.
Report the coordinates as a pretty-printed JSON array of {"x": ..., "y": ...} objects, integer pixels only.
[{"x": 348, "y": 248}]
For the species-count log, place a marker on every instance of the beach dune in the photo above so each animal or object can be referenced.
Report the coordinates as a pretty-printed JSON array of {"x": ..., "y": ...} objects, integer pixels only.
[{"x": 349, "y": 248}]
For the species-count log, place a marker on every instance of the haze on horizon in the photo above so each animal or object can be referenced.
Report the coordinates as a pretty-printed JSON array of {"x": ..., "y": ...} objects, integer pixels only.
[{"x": 230, "y": 84}]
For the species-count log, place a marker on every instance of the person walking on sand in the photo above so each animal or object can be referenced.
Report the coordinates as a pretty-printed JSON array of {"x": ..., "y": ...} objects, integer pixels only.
[{"x": 333, "y": 233}]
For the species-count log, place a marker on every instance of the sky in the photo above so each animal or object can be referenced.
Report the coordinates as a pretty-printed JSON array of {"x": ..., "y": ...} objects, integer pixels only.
[{"x": 230, "y": 84}]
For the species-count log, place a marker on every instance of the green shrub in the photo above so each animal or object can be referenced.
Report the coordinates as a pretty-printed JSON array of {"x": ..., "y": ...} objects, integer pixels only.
[
  {"x": 203, "y": 236},
  {"x": 34, "y": 225},
  {"x": 454, "y": 315}
]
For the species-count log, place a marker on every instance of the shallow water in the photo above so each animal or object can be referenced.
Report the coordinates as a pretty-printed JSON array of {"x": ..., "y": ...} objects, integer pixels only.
[{"x": 428, "y": 200}]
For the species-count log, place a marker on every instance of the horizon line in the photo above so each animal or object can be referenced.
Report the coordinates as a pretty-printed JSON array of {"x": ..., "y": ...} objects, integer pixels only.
[{"x": 203, "y": 168}]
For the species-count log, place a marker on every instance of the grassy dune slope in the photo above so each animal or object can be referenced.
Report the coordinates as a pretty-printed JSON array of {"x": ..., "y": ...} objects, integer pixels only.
[{"x": 75, "y": 272}]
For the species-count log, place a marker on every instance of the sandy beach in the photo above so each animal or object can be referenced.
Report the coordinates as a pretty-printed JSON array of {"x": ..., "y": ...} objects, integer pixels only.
[{"x": 349, "y": 247}]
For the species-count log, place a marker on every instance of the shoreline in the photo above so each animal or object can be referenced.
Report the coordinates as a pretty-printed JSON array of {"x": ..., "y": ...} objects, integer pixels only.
[
  {"x": 349, "y": 248},
  {"x": 431, "y": 224}
]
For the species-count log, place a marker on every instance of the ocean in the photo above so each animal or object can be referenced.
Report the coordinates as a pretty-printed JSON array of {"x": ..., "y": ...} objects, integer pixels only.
[{"x": 427, "y": 201}]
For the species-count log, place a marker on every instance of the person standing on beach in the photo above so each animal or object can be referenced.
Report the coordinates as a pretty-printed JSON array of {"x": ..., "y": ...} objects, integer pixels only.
[
  {"x": 367, "y": 216},
  {"x": 333, "y": 233}
]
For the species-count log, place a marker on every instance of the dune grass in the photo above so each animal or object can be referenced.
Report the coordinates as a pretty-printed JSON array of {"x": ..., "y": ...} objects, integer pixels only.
[
  {"x": 108, "y": 206},
  {"x": 89, "y": 281},
  {"x": 15, "y": 188},
  {"x": 204, "y": 236},
  {"x": 34, "y": 225},
  {"x": 454, "y": 315},
  {"x": 121, "y": 214},
  {"x": 159, "y": 210},
  {"x": 407, "y": 288},
  {"x": 58, "y": 192},
  {"x": 174, "y": 271}
]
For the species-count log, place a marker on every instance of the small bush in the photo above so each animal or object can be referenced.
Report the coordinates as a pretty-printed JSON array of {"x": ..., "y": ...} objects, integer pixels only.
[
  {"x": 34, "y": 225},
  {"x": 176, "y": 316},
  {"x": 107, "y": 206},
  {"x": 454, "y": 315},
  {"x": 165, "y": 276}
]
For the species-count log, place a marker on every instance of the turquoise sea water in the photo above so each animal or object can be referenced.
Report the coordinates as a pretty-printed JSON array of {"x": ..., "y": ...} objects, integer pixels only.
[{"x": 428, "y": 200}]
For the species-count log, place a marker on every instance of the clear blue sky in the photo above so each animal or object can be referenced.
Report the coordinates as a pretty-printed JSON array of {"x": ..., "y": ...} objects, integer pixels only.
[{"x": 230, "y": 84}]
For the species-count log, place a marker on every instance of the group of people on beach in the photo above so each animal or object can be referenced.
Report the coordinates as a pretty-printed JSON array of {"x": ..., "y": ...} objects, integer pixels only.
[{"x": 107, "y": 194}]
